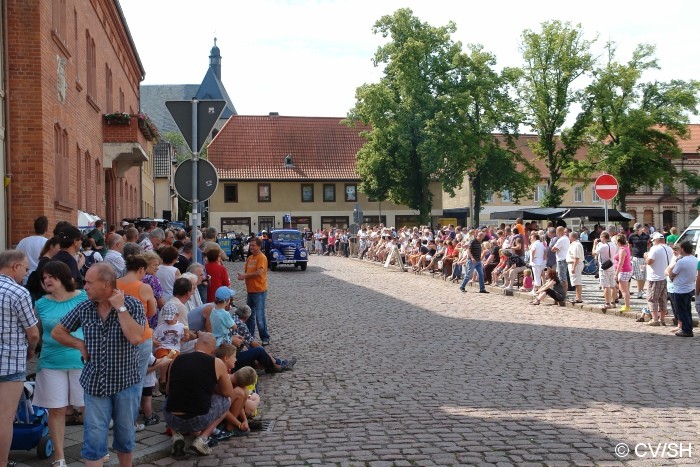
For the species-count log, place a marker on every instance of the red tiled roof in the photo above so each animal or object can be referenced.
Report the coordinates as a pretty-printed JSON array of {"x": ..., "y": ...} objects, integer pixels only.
[
  {"x": 692, "y": 144},
  {"x": 255, "y": 147}
]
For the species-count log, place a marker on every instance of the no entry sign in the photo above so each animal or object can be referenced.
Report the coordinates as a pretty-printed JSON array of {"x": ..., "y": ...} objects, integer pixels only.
[{"x": 606, "y": 187}]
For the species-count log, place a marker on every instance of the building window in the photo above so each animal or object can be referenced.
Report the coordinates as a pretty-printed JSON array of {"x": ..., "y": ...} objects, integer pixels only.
[
  {"x": 264, "y": 194},
  {"x": 351, "y": 192},
  {"x": 231, "y": 193},
  {"x": 488, "y": 197},
  {"x": 329, "y": 192},
  {"x": 81, "y": 181},
  {"x": 407, "y": 221},
  {"x": 91, "y": 65},
  {"x": 236, "y": 224},
  {"x": 109, "y": 107},
  {"x": 540, "y": 193},
  {"x": 59, "y": 20},
  {"x": 339, "y": 222},
  {"x": 121, "y": 100},
  {"x": 374, "y": 220},
  {"x": 594, "y": 196},
  {"x": 266, "y": 223},
  {"x": 300, "y": 223},
  {"x": 62, "y": 164},
  {"x": 307, "y": 192},
  {"x": 505, "y": 196},
  {"x": 98, "y": 186},
  {"x": 578, "y": 194}
]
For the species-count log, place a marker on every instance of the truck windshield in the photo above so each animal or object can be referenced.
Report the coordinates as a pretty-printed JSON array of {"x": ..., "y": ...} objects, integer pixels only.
[{"x": 286, "y": 236}]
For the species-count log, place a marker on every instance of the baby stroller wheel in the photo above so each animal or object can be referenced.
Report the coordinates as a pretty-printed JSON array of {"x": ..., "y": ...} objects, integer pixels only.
[{"x": 44, "y": 450}]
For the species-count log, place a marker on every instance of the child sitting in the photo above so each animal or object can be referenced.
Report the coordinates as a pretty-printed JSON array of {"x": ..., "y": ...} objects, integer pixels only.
[
  {"x": 243, "y": 403},
  {"x": 527, "y": 281},
  {"x": 168, "y": 336},
  {"x": 220, "y": 319}
]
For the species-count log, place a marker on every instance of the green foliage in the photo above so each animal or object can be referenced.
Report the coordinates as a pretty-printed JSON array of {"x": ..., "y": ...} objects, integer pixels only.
[
  {"x": 633, "y": 127},
  {"x": 554, "y": 58}
]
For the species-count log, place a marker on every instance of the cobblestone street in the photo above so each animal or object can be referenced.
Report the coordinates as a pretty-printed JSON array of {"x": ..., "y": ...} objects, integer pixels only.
[{"x": 400, "y": 369}]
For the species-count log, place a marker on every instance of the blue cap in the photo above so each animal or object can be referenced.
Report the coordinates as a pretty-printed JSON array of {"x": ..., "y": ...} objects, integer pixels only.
[{"x": 224, "y": 293}]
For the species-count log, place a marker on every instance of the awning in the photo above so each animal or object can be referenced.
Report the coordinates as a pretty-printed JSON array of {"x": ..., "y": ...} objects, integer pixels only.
[
  {"x": 529, "y": 214},
  {"x": 593, "y": 214},
  {"x": 598, "y": 214},
  {"x": 86, "y": 220}
]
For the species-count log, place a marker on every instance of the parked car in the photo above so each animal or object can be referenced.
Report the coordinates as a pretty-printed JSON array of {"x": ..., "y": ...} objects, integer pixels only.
[{"x": 287, "y": 247}]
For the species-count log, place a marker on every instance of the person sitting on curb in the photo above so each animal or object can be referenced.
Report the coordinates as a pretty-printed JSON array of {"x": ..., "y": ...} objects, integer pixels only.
[
  {"x": 199, "y": 395},
  {"x": 552, "y": 288},
  {"x": 243, "y": 404},
  {"x": 255, "y": 352}
]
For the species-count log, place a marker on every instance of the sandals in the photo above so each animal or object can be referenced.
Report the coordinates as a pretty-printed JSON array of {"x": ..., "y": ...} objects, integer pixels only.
[
  {"x": 75, "y": 418},
  {"x": 535, "y": 302}
]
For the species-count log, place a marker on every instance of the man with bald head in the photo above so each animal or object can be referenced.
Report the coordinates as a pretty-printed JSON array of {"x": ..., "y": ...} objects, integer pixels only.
[
  {"x": 113, "y": 325},
  {"x": 199, "y": 395}
]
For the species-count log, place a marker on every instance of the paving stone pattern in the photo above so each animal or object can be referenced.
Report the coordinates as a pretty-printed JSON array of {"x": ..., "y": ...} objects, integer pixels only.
[{"x": 402, "y": 369}]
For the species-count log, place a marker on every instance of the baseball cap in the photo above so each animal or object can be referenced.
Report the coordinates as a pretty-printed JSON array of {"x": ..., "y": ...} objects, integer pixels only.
[
  {"x": 224, "y": 293},
  {"x": 169, "y": 311},
  {"x": 637, "y": 226},
  {"x": 657, "y": 235}
]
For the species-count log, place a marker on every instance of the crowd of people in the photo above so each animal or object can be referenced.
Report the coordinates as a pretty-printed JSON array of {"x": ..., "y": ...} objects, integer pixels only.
[
  {"x": 548, "y": 262},
  {"x": 119, "y": 317}
]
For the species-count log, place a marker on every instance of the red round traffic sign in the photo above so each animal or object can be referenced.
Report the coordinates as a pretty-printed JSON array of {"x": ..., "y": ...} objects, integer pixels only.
[{"x": 606, "y": 187}]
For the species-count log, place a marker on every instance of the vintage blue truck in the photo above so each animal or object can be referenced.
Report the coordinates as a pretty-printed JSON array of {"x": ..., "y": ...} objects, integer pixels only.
[{"x": 287, "y": 247}]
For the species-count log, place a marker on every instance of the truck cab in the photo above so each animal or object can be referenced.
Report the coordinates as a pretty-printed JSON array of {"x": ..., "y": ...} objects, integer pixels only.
[{"x": 286, "y": 247}]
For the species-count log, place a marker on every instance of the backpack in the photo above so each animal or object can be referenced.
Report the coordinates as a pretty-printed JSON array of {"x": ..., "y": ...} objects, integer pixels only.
[{"x": 89, "y": 261}]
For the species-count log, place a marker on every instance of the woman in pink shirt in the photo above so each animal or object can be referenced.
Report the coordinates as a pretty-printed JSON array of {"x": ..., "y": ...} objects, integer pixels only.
[{"x": 623, "y": 270}]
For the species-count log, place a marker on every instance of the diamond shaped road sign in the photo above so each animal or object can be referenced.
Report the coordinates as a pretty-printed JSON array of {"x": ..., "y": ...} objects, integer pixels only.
[{"x": 208, "y": 112}]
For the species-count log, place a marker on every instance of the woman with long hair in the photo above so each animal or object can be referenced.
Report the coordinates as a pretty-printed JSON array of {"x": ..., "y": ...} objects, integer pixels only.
[
  {"x": 58, "y": 369},
  {"x": 623, "y": 270},
  {"x": 34, "y": 281}
]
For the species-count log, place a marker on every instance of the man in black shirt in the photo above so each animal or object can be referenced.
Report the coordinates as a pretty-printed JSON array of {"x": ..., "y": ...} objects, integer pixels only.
[
  {"x": 474, "y": 263},
  {"x": 639, "y": 244},
  {"x": 70, "y": 240}
]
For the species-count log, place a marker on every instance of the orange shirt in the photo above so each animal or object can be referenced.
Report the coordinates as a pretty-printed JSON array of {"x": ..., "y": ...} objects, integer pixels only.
[
  {"x": 252, "y": 264},
  {"x": 134, "y": 289}
]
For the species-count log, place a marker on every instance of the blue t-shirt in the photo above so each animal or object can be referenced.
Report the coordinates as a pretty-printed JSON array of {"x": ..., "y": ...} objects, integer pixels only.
[
  {"x": 55, "y": 356},
  {"x": 221, "y": 323}
]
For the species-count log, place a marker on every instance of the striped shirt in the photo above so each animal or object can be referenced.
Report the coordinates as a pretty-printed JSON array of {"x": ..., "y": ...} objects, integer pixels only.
[
  {"x": 114, "y": 361},
  {"x": 16, "y": 315}
]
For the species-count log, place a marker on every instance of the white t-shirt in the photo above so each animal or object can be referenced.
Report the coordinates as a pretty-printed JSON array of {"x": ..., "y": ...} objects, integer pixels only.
[
  {"x": 685, "y": 270},
  {"x": 537, "y": 254},
  {"x": 574, "y": 252},
  {"x": 562, "y": 246},
  {"x": 606, "y": 251},
  {"x": 150, "y": 380},
  {"x": 662, "y": 256},
  {"x": 32, "y": 246},
  {"x": 169, "y": 335}
]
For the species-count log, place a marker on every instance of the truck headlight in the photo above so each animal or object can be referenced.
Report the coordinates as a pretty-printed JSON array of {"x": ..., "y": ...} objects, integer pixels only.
[
  {"x": 275, "y": 254},
  {"x": 302, "y": 254}
]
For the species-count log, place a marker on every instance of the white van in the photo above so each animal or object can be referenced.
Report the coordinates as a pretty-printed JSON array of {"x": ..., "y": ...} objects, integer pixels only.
[{"x": 691, "y": 234}]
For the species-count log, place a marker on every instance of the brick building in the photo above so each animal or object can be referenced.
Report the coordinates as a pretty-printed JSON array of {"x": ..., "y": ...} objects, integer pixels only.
[{"x": 70, "y": 62}]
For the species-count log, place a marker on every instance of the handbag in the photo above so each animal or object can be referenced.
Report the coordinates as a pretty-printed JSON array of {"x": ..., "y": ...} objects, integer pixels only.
[{"x": 607, "y": 264}]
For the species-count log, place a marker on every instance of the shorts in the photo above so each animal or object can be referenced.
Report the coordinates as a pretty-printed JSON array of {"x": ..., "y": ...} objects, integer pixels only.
[
  {"x": 147, "y": 391},
  {"x": 58, "y": 388},
  {"x": 162, "y": 352},
  {"x": 219, "y": 406},
  {"x": 624, "y": 276},
  {"x": 561, "y": 270},
  {"x": 607, "y": 278},
  {"x": 19, "y": 377},
  {"x": 657, "y": 295},
  {"x": 576, "y": 274},
  {"x": 639, "y": 269}
]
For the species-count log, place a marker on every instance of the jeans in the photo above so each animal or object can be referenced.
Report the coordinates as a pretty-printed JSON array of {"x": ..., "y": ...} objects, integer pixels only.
[
  {"x": 145, "y": 351},
  {"x": 254, "y": 354},
  {"x": 120, "y": 407},
  {"x": 472, "y": 266},
  {"x": 457, "y": 271},
  {"x": 683, "y": 310},
  {"x": 256, "y": 302}
]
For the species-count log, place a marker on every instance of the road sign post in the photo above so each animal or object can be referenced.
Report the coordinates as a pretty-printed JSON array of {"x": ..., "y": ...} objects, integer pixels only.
[
  {"x": 606, "y": 187},
  {"x": 195, "y": 119}
]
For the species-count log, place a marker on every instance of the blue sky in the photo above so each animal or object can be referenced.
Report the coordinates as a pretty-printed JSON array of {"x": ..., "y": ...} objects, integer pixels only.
[{"x": 307, "y": 58}]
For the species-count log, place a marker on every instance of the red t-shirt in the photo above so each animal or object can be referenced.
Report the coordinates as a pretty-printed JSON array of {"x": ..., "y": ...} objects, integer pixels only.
[{"x": 219, "y": 277}]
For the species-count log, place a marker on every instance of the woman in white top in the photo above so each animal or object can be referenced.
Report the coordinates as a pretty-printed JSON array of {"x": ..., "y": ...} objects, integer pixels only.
[
  {"x": 605, "y": 250},
  {"x": 167, "y": 272},
  {"x": 538, "y": 259}
]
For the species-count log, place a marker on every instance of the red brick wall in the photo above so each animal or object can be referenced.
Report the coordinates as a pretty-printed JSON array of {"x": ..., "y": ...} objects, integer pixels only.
[{"x": 34, "y": 106}]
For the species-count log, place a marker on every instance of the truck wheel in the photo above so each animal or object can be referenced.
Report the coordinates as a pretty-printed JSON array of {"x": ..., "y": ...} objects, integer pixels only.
[
  {"x": 273, "y": 266},
  {"x": 303, "y": 266}
]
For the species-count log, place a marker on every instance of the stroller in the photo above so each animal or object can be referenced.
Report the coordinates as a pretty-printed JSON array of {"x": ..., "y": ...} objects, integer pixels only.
[{"x": 31, "y": 427}]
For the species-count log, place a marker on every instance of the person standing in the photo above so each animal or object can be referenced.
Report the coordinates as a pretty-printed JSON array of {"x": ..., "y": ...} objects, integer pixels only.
[
  {"x": 114, "y": 254},
  {"x": 70, "y": 239},
  {"x": 639, "y": 244},
  {"x": 605, "y": 251},
  {"x": 97, "y": 234},
  {"x": 538, "y": 259},
  {"x": 113, "y": 325},
  {"x": 658, "y": 258},
  {"x": 32, "y": 245},
  {"x": 19, "y": 335},
  {"x": 255, "y": 277},
  {"x": 474, "y": 263},
  {"x": 561, "y": 248},
  {"x": 574, "y": 258},
  {"x": 685, "y": 283}
]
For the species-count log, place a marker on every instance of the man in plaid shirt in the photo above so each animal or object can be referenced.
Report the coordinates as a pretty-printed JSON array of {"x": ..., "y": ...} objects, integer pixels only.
[
  {"x": 113, "y": 326},
  {"x": 19, "y": 335}
]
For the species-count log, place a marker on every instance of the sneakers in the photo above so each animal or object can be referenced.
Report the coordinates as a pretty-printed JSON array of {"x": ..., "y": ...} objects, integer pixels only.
[
  {"x": 624, "y": 308},
  {"x": 58, "y": 463},
  {"x": 139, "y": 427},
  {"x": 201, "y": 446},
  {"x": 154, "y": 419},
  {"x": 265, "y": 342},
  {"x": 654, "y": 322},
  {"x": 222, "y": 435},
  {"x": 178, "y": 444},
  {"x": 288, "y": 364}
]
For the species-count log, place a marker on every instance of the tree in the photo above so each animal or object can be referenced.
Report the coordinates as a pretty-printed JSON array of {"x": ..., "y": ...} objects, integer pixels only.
[
  {"x": 480, "y": 102},
  {"x": 554, "y": 58},
  {"x": 399, "y": 161},
  {"x": 633, "y": 127}
]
